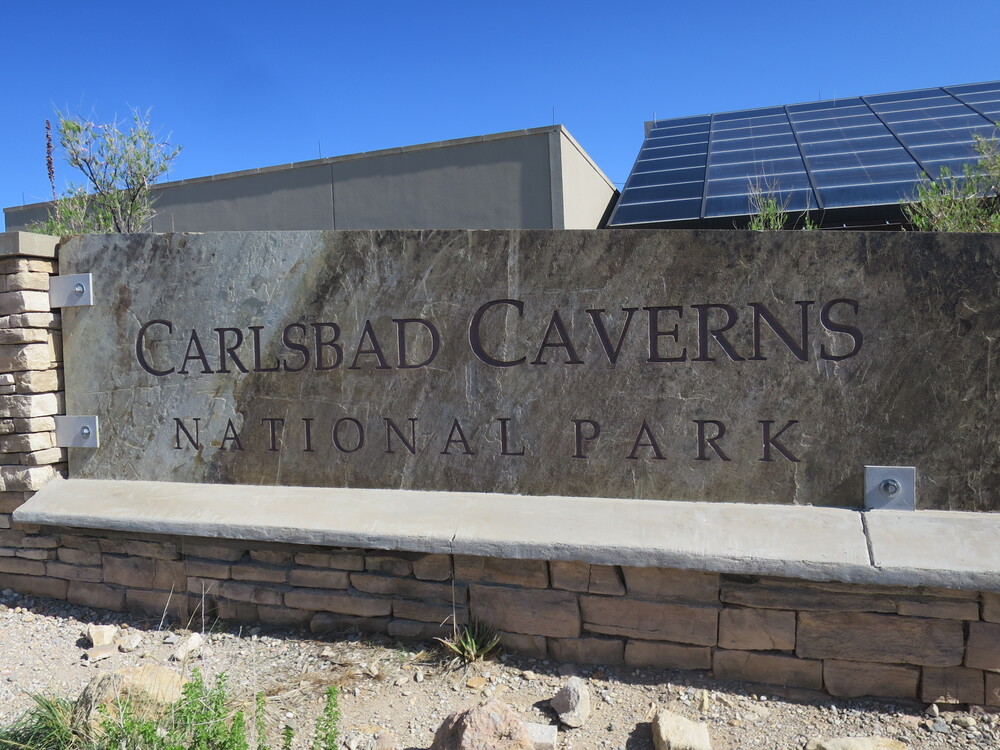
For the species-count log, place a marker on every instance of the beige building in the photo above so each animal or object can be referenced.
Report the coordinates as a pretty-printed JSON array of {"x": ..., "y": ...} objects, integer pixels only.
[{"x": 525, "y": 179}]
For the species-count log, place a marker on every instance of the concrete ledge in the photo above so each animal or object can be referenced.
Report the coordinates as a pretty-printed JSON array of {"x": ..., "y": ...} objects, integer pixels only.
[
  {"x": 27, "y": 244},
  {"x": 947, "y": 549}
]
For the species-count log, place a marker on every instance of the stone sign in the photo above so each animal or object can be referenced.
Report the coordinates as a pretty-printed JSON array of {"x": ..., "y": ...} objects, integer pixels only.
[{"x": 668, "y": 365}]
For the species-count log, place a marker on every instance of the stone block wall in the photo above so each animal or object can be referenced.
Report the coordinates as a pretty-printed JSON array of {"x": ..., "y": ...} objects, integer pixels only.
[
  {"x": 848, "y": 640},
  {"x": 30, "y": 388}
]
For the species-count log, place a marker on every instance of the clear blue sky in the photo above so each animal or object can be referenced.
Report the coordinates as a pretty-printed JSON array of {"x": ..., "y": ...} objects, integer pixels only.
[{"x": 250, "y": 84}]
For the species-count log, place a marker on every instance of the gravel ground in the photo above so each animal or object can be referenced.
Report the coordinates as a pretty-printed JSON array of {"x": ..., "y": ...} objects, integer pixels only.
[{"x": 408, "y": 689}]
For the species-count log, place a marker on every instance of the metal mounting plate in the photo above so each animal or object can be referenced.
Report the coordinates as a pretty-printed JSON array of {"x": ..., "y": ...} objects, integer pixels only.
[
  {"x": 890, "y": 488},
  {"x": 71, "y": 290},
  {"x": 77, "y": 432}
]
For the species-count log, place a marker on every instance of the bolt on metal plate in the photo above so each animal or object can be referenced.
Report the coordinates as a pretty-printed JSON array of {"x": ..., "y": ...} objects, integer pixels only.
[
  {"x": 71, "y": 290},
  {"x": 890, "y": 488},
  {"x": 77, "y": 432}
]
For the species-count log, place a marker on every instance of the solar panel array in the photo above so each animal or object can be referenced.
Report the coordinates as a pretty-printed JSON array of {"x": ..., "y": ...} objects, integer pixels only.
[{"x": 838, "y": 153}]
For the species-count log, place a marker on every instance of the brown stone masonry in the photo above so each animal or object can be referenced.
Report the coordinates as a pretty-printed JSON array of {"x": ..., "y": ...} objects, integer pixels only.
[{"x": 849, "y": 640}]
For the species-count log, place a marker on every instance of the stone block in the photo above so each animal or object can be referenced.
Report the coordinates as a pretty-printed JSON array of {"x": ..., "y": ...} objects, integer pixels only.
[
  {"x": 338, "y": 602},
  {"x": 53, "y": 588},
  {"x": 97, "y": 595},
  {"x": 608, "y": 651},
  {"x": 11, "y": 537},
  {"x": 32, "y": 441},
  {"x": 991, "y": 607},
  {"x": 34, "y": 424},
  {"x": 432, "y": 567},
  {"x": 338, "y": 560},
  {"x": 319, "y": 578},
  {"x": 92, "y": 574},
  {"x": 225, "y": 552},
  {"x": 412, "y": 609},
  {"x": 262, "y": 573},
  {"x": 140, "y": 548},
  {"x": 4, "y": 520},
  {"x": 661, "y": 655},
  {"x": 14, "y": 303},
  {"x": 40, "y": 381},
  {"x": 944, "y": 609},
  {"x": 992, "y": 689},
  {"x": 670, "y": 583},
  {"x": 327, "y": 622},
  {"x": 391, "y": 586},
  {"x": 206, "y": 568},
  {"x": 772, "y": 669},
  {"x": 44, "y": 457},
  {"x": 50, "y": 320},
  {"x": 30, "y": 405},
  {"x": 78, "y": 556},
  {"x": 41, "y": 541},
  {"x": 983, "y": 648},
  {"x": 650, "y": 621},
  {"x": 853, "y": 679},
  {"x": 20, "y": 566},
  {"x": 855, "y": 636},
  {"x": 75, "y": 541},
  {"x": 394, "y": 565},
  {"x": 529, "y": 611},
  {"x": 271, "y": 556},
  {"x": 26, "y": 478},
  {"x": 27, "y": 265},
  {"x": 7, "y": 425},
  {"x": 952, "y": 685},
  {"x": 586, "y": 578},
  {"x": 528, "y": 573},
  {"x": 756, "y": 629},
  {"x": 23, "y": 336},
  {"x": 11, "y": 501},
  {"x": 416, "y": 630},
  {"x": 36, "y": 554},
  {"x": 800, "y": 595},
  {"x": 21, "y": 357},
  {"x": 158, "y": 602},
  {"x": 283, "y": 617},
  {"x": 251, "y": 593},
  {"x": 534, "y": 646},
  {"x": 25, "y": 281},
  {"x": 234, "y": 611},
  {"x": 129, "y": 571},
  {"x": 169, "y": 575}
]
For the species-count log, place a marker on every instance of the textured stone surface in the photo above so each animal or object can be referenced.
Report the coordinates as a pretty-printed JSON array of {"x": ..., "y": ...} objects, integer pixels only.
[
  {"x": 674, "y": 732},
  {"x": 983, "y": 649},
  {"x": 532, "y": 612},
  {"x": 952, "y": 685},
  {"x": 871, "y": 301},
  {"x": 757, "y": 629},
  {"x": 572, "y": 703},
  {"x": 667, "y": 655},
  {"x": 852, "y": 679},
  {"x": 651, "y": 621},
  {"x": 775, "y": 669},
  {"x": 880, "y": 638},
  {"x": 492, "y": 725}
]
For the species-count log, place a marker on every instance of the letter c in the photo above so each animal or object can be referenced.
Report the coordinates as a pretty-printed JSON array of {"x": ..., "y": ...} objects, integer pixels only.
[
  {"x": 476, "y": 342},
  {"x": 139, "y": 347}
]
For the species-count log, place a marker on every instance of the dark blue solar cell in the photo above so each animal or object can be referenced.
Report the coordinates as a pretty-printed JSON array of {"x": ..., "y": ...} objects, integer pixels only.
[
  {"x": 954, "y": 124},
  {"x": 665, "y": 192},
  {"x": 940, "y": 151},
  {"x": 833, "y": 123},
  {"x": 967, "y": 88},
  {"x": 742, "y": 144},
  {"x": 681, "y": 130},
  {"x": 826, "y": 104},
  {"x": 647, "y": 213},
  {"x": 674, "y": 122},
  {"x": 961, "y": 135},
  {"x": 843, "y": 133},
  {"x": 772, "y": 183},
  {"x": 955, "y": 166},
  {"x": 759, "y": 130},
  {"x": 656, "y": 151},
  {"x": 742, "y": 114},
  {"x": 839, "y": 146},
  {"x": 757, "y": 154},
  {"x": 903, "y": 96},
  {"x": 644, "y": 179},
  {"x": 936, "y": 114},
  {"x": 897, "y": 109},
  {"x": 740, "y": 205},
  {"x": 866, "y": 175},
  {"x": 889, "y": 193},
  {"x": 755, "y": 168},
  {"x": 679, "y": 162}
]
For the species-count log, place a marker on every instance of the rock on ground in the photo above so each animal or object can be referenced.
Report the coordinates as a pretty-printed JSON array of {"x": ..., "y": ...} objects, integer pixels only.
[
  {"x": 673, "y": 732},
  {"x": 572, "y": 703},
  {"x": 490, "y": 726},
  {"x": 856, "y": 743},
  {"x": 148, "y": 691}
]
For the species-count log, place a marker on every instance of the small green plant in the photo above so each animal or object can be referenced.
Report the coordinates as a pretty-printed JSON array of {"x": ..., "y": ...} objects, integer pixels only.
[
  {"x": 960, "y": 203},
  {"x": 471, "y": 642},
  {"x": 260, "y": 720},
  {"x": 768, "y": 213},
  {"x": 47, "y": 725},
  {"x": 328, "y": 723},
  {"x": 287, "y": 735}
]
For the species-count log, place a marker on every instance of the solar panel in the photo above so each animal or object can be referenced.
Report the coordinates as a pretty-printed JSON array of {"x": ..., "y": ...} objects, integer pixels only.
[{"x": 832, "y": 154}]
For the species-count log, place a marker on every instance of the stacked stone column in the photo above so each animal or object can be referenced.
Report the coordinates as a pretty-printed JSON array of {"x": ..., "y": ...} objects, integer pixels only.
[{"x": 30, "y": 396}]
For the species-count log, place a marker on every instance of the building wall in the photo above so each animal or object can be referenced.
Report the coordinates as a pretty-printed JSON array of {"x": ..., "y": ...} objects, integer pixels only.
[{"x": 502, "y": 181}]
